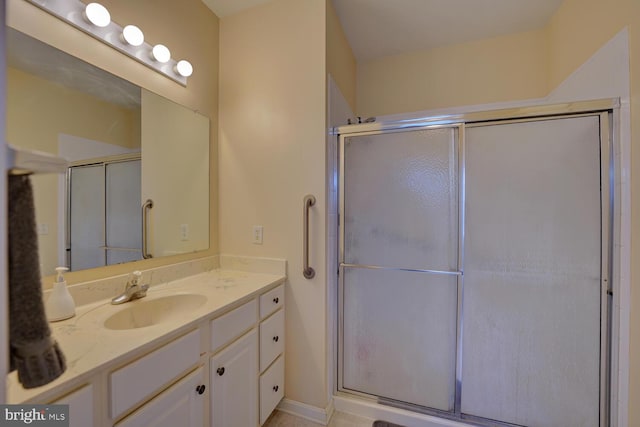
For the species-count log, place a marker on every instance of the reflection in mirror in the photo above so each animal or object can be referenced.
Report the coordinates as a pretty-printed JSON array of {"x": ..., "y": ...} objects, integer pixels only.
[
  {"x": 103, "y": 213},
  {"x": 125, "y": 145}
]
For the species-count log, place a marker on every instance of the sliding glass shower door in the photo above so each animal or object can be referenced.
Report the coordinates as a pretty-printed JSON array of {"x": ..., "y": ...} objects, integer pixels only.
[
  {"x": 399, "y": 265},
  {"x": 532, "y": 272},
  {"x": 474, "y": 269}
]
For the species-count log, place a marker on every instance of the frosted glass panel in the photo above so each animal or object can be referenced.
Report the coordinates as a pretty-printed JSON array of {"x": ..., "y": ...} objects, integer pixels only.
[
  {"x": 124, "y": 220},
  {"x": 401, "y": 204},
  {"x": 399, "y": 335},
  {"x": 531, "y": 345},
  {"x": 120, "y": 256},
  {"x": 87, "y": 217}
]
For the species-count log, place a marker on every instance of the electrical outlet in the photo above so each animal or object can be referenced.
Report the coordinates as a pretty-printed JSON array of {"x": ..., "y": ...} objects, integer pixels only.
[
  {"x": 43, "y": 229},
  {"x": 257, "y": 234},
  {"x": 184, "y": 232}
]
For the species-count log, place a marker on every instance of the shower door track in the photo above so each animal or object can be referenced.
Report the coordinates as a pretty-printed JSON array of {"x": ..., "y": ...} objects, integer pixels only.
[{"x": 602, "y": 108}]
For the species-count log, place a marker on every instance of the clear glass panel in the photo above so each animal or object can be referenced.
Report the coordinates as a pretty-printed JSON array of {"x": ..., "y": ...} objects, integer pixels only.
[
  {"x": 401, "y": 205},
  {"x": 87, "y": 217},
  {"x": 124, "y": 217},
  {"x": 531, "y": 345},
  {"x": 399, "y": 335}
]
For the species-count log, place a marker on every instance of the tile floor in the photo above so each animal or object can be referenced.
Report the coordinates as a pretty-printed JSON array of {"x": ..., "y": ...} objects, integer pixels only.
[{"x": 339, "y": 419}]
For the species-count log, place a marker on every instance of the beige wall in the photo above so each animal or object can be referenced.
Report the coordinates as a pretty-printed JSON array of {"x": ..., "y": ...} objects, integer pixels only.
[
  {"x": 579, "y": 28},
  {"x": 189, "y": 29},
  {"x": 341, "y": 63},
  {"x": 37, "y": 112},
  {"x": 505, "y": 68},
  {"x": 577, "y": 31},
  {"x": 272, "y": 153}
]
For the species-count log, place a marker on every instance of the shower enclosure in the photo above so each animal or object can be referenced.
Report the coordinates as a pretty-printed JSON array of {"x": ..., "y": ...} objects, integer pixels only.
[{"x": 474, "y": 277}]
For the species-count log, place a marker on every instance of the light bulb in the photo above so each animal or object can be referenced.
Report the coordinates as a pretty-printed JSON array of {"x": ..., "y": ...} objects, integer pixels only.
[
  {"x": 184, "y": 68},
  {"x": 132, "y": 35},
  {"x": 97, "y": 14},
  {"x": 161, "y": 53}
]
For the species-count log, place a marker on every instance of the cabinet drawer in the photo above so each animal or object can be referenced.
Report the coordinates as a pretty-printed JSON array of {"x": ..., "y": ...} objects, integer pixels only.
[
  {"x": 271, "y": 339},
  {"x": 135, "y": 382},
  {"x": 80, "y": 406},
  {"x": 271, "y": 301},
  {"x": 233, "y": 324},
  {"x": 271, "y": 389}
]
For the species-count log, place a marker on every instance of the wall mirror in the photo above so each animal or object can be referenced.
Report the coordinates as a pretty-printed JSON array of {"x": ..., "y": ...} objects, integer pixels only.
[{"x": 125, "y": 145}]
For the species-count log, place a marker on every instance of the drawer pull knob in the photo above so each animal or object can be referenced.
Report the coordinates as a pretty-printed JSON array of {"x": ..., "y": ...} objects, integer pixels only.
[
  {"x": 220, "y": 371},
  {"x": 275, "y": 388},
  {"x": 276, "y": 338},
  {"x": 276, "y": 300},
  {"x": 200, "y": 389}
]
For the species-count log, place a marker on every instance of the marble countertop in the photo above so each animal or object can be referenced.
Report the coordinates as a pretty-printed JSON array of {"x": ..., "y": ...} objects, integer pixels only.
[{"x": 89, "y": 346}]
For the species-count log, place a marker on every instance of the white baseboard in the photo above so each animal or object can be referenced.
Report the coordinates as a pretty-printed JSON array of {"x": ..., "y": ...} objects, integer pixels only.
[
  {"x": 308, "y": 412},
  {"x": 375, "y": 411}
]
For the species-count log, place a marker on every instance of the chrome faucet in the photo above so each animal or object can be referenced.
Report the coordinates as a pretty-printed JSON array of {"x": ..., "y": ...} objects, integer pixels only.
[{"x": 133, "y": 290}]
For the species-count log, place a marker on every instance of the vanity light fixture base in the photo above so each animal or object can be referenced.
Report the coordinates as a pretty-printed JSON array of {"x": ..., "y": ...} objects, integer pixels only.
[{"x": 72, "y": 12}]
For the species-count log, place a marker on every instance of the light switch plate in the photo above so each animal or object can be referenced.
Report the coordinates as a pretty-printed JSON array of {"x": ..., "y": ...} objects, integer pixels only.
[
  {"x": 184, "y": 232},
  {"x": 257, "y": 235}
]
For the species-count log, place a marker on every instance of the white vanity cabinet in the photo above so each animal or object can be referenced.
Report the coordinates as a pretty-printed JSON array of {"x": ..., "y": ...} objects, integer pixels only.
[{"x": 227, "y": 369}]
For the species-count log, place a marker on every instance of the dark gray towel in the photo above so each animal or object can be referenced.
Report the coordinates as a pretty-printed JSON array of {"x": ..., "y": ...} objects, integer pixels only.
[{"x": 34, "y": 353}]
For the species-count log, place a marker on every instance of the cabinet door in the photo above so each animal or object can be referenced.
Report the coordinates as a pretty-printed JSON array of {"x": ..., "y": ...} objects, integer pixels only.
[
  {"x": 234, "y": 384},
  {"x": 80, "y": 406},
  {"x": 182, "y": 404}
]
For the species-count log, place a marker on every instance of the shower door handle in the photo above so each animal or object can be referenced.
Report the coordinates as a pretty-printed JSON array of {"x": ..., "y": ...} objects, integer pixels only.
[
  {"x": 145, "y": 208},
  {"x": 307, "y": 271}
]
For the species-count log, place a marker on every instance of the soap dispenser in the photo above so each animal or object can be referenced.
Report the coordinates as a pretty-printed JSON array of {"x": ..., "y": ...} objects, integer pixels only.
[{"x": 60, "y": 304}]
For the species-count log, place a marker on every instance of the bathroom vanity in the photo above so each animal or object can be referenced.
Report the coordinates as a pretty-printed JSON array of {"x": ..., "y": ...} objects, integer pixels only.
[{"x": 206, "y": 350}]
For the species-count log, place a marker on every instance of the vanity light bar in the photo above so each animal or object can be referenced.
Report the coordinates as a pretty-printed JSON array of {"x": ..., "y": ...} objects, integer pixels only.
[{"x": 95, "y": 20}]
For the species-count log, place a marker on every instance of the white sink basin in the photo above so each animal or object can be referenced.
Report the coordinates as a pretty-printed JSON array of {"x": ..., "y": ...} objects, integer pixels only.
[{"x": 148, "y": 312}]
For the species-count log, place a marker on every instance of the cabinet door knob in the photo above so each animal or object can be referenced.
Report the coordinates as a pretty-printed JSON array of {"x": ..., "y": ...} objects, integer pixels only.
[
  {"x": 220, "y": 371},
  {"x": 276, "y": 338},
  {"x": 276, "y": 300},
  {"x": 200, "y": 389},
  {"x": 275, "y": 388}
]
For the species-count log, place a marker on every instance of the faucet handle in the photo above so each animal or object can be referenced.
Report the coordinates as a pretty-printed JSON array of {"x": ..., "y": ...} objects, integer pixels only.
[
  {"x": 137, "y": 276},
  {"x": 140, "y": 288},
  {"x": 134, "y": 280}
]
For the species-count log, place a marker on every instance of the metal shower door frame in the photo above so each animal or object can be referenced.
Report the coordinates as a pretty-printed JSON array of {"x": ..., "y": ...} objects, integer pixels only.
[{"x": 604, "y": 109}]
